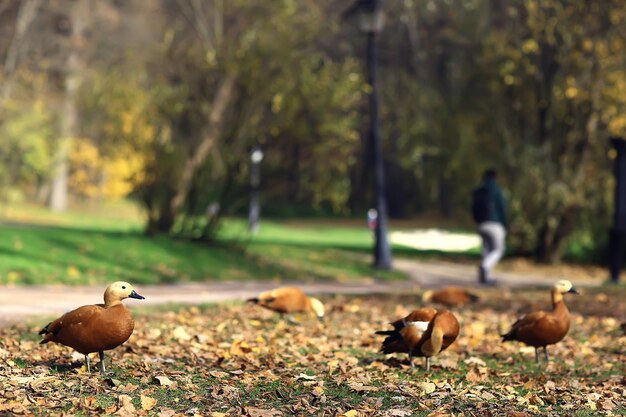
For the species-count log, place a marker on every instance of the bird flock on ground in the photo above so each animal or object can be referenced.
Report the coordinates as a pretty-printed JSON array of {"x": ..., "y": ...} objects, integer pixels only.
[{"x": 425, "y": 332}]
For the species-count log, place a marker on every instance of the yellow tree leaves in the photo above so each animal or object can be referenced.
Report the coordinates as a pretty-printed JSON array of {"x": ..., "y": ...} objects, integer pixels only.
[{"x": 94, "y": 175}]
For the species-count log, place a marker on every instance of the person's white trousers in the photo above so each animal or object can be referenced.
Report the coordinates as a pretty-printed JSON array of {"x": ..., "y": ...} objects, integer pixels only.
[{"x": 493, "y": 235}]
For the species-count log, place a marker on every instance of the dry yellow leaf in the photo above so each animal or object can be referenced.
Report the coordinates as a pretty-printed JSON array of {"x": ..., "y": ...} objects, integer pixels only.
[
  {"x": 126, "y": 406},
  {"x": 148, "y": 403},
  {"x": 181, "y": 334},
  {"x": 427, "y": 387}
]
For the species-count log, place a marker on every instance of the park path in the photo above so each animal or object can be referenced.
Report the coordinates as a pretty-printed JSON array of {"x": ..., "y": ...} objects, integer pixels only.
[{"x": 19, "y": 303}]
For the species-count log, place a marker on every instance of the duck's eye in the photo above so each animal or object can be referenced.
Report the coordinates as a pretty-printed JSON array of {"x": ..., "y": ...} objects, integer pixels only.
[{"x": 123, "y": 287}]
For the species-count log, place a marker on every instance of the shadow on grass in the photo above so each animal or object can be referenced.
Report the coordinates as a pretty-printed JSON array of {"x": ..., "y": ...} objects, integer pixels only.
[{"x": 56, "y": 366}]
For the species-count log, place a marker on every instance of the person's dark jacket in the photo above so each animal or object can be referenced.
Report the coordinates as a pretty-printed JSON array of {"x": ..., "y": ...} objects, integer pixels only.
[{"x": 495, "y": 193}]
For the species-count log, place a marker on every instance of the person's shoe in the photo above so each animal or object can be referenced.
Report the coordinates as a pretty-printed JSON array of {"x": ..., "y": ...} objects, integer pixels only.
[
  {"x": 482, "y": 274},
  {"x": 484, "y": 278}
]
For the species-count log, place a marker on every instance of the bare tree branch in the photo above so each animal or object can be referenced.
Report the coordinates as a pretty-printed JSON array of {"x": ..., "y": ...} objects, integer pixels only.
[{"x": 220, "y": 103}]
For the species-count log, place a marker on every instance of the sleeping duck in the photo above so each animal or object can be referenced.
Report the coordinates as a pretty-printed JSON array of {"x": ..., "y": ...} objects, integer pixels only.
[
  {"x": 450, "y": 296},
  {"x": 287, "y": 300},
  {"x": 425, "y": 332}
]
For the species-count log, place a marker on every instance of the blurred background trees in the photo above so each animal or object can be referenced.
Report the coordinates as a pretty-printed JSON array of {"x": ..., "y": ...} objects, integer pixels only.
[{"x": 161, "y": 101}]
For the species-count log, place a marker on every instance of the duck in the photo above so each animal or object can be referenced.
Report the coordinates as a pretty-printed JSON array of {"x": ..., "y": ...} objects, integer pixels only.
[
  {"x": 542, "y": 328},
  {"x": 450, "y": 296},
  {"x": 425, "y": 332},
  {"x": 96, "y": 327},
  {"x": 287, "y": 300}
]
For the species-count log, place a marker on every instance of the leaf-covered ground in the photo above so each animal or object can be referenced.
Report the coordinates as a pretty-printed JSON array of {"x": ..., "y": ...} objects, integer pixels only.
[{"x": 236, "y": 359}]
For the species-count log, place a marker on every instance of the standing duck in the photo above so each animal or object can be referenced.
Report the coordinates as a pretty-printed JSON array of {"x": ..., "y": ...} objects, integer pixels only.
[
  {"x": 287, "y": 300},
  {"x": 450, "y": 296},
  {"x": 425, "y": 332},
  {"x": 96, "y": 327},
  {"x": 542, "y": 328}
]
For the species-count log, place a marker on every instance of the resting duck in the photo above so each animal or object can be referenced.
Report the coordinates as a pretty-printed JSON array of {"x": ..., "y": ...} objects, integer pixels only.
[
  {"x": 450, "y": 296},
  {"x": 541, "y": 328},
  {"x": 287, "y": 300},
  {"x": 96, "y": 327},
  {"x": 425, "y": 332}
]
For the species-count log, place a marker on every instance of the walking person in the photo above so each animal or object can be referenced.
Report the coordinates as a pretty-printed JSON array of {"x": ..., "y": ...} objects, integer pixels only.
[{"x": 489, "y": 212}]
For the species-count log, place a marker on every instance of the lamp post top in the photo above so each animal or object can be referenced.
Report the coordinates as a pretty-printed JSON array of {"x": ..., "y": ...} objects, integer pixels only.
[
  {"x": 370, "y": 15},
  {"x": 256, "y": 155}
]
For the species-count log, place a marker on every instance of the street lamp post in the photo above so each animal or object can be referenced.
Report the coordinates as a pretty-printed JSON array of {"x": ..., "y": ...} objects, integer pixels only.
[
  {"x": 256, "y": 156},
  {"x": 616, "y": 242},
  {"x": 371, "y": 21}
]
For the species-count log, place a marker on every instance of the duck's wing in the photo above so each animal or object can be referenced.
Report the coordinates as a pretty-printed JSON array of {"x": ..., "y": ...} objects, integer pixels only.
[
  {"x": 524, "y": 323},
  {"x": 71, "y": 320}
]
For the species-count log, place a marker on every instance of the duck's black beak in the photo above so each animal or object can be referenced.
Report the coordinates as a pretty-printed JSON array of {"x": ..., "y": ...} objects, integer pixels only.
[
  {"x": 134, "y": 294},
  {"x": 321, "y": 319},
  {"x": 573, "y": 291}
]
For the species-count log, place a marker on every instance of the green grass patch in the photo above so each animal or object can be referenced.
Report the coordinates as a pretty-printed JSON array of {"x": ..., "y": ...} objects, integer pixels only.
[{"x": 39, "y": 247}]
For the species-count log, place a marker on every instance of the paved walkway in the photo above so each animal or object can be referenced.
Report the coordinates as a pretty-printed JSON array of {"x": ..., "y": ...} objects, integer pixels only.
[{"x": 20, "y": 303}]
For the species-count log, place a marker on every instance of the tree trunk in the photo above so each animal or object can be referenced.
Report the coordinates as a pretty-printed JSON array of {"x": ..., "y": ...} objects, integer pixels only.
[
  {"x": 69, "y": 118},
  {"x": 553, "y": 236}
]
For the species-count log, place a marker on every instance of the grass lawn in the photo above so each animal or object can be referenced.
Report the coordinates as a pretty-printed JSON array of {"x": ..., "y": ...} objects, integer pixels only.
[
  {"x": 234, "y": 359},
  {"x": 39, "y": 247}
]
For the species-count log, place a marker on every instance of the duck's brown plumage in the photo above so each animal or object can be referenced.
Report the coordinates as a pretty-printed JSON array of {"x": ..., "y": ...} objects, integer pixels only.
[
  {"x": 450, "y": 296},
  {"x": 542, "y": 328},
  {"x": 97, "y": 327},
  {"x": 288, "y": 300},
  {"x": 425, "y": 332}
]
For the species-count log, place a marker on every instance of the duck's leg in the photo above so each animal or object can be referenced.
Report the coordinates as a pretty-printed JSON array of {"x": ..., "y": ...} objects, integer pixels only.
[
  {"x": 411, "y": 360},
  {"x": 545, "y": 353},
  {"x": 102, "y": 370},
  {"x": 427, "y": 363},
  {"x": 537, "y": 354},
  {"x": 88, "y": 363}
]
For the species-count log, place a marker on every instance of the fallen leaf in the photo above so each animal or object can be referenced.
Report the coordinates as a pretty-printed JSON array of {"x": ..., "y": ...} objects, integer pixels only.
[
  {"x": 306, "y": 377},
  {"x": 164, "y": 380},
  {"x": 607, "y": 405},
  {"x": 427, "y": 387},
  {"x": 148, "y": 403},
  {"x": 398, "y": 413},
  {"x": 475, "y": 361},
  {"x": 127, "y": 409},
  {"x": 261, "y": 412},
  {"x": 181, "y": 334},
  {"x": 476, "y": 375}
]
